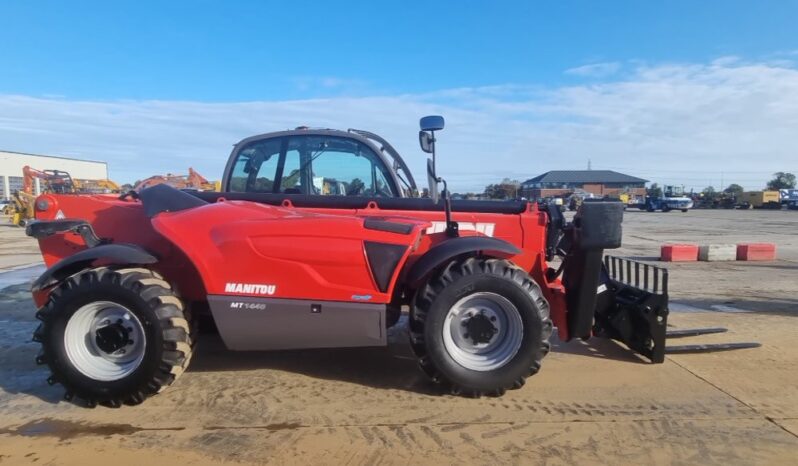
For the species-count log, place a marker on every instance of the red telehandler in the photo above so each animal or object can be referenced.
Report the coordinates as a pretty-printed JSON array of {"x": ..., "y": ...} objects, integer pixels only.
[{"x": 316, "y": 242}]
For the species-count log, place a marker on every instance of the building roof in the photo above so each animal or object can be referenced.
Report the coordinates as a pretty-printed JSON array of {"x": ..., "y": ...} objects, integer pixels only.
[
  {"x": 11, "y": 152},
  {"x": 584, "y": 176}
]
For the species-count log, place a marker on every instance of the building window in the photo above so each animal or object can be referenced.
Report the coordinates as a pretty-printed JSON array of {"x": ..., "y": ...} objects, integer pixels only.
[
  {"x": 15, "y": 183},
  {"x": 3, "y": 187}
]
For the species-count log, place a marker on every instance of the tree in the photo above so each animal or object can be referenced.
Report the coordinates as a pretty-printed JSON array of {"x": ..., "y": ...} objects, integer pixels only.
[
  {"x": 507, "y": 189},
  {"x": 734, "y": 189},
  {"x": 782, "y": 180},
  {"x": 356, "y": 188},
  {"x": 709, "y": 191},
  {"x": 654, "y": 191}
]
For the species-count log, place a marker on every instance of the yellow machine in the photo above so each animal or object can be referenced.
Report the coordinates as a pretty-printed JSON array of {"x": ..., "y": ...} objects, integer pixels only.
[
  {"x": 21, "y": 208},
  {"x": 760, "y": 200},
  {"x": 97, "y": 186}
]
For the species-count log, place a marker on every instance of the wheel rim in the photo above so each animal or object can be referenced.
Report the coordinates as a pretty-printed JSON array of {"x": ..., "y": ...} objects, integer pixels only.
[
  {"x": 483, "y": 331},
  {"x": 105, "y": 341}
]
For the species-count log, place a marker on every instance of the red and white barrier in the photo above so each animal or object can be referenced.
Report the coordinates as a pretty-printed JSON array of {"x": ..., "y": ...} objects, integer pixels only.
[
  {"x": 717, "y": 252},
  {"x": 678, "y": 253},
  {"x": 756, "y": 252}
]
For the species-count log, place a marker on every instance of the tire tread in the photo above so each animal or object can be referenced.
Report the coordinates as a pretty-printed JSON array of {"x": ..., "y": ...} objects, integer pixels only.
[
  {"x": 426, "y": 295},
  {"x": 176, "y": 329}
]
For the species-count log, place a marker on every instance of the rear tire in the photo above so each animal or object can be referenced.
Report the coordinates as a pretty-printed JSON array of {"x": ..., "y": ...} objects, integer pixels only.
[
  {"x": 485, "y": 297},
  {"x": 114, "y": 336}
]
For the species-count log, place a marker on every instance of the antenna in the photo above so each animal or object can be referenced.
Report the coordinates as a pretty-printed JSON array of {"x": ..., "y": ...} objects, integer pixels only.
[{"x": 589, "y": 165}]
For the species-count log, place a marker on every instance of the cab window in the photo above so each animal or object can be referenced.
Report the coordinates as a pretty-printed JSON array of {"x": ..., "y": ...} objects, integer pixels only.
[
  {"x": 256, "y": 167},
  {"x": 314, "y": 165},
  {"x": 290, "y": 179}
]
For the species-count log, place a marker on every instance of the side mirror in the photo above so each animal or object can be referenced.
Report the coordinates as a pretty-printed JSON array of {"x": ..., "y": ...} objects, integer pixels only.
[
  {"x": 426, "y": 141},
  {"x": 433, "y": 181},
  {"x": 431, "y": 123}
]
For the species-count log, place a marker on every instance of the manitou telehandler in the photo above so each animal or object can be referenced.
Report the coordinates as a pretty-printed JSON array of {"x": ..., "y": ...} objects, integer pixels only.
[{"x": 316, "y": 241}]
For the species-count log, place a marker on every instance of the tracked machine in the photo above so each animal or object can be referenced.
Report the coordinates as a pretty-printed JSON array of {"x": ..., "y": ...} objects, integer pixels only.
[{"x": 316, "y": 241}]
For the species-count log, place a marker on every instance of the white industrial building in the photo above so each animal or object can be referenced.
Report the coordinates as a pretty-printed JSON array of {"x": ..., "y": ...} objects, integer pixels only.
[{"x": 11, "y": 164}]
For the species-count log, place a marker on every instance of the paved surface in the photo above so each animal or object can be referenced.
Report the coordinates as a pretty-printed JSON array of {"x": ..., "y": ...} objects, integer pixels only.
[
  {"x": 592, "y": 402},
  {"x": 15, "y": 248}
]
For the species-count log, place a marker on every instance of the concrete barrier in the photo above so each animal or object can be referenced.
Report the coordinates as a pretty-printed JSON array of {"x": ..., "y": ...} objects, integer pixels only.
[
  {"x": 678, "y": 252},
  {"x": 717, "y": 252},
  {"x": 756, "y": 252}
]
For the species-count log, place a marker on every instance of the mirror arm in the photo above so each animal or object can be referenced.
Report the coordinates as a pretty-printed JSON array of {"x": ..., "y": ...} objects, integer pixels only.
[
  {"x": 434, "y": 168},
  {"x": 452, "y": 228}
]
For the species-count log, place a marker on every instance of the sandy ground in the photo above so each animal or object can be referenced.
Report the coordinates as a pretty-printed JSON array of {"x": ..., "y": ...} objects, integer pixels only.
[{"x": 592, "y": 402}]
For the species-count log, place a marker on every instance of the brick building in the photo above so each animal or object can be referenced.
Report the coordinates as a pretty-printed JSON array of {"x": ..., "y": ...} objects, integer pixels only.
[{"x": 598, "y": 182}]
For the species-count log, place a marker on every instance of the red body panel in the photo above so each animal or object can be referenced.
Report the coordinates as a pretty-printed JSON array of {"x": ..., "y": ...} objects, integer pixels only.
[
  {"x": 287, "y": 252},
  {"x": 302, "y": 255}
]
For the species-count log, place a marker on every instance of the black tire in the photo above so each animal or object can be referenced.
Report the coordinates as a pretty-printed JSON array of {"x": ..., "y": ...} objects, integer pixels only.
[
  {"x": 684, "y": 210},
  {"x": 463, "y": 278},
  {"x": 666, "y": 209},
  {"x": 145, "y": 294}
]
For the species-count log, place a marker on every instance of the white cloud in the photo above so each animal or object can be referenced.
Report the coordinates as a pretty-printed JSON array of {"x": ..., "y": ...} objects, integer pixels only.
[
  {"x": 329, "y": 83},
  {"x": 689, "y": 124},
  {"x": 595, "y": 70}
]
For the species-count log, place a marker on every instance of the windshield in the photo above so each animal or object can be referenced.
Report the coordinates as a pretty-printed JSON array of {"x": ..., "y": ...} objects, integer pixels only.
[{"x": 311, "y": 164}]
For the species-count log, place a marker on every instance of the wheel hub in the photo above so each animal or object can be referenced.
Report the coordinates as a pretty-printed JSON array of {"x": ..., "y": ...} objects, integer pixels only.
[
  {"x": 112, "y": 338},
  {"x": 105, "y": 340},
  {"x": 483, "y": 331},
  {"x": 479, "y": 328}
]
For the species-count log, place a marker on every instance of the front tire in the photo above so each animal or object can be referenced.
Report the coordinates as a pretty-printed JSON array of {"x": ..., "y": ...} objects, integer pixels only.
[
  {"x": 114, "y": 336},
  {"x": 480, "y": 327}
]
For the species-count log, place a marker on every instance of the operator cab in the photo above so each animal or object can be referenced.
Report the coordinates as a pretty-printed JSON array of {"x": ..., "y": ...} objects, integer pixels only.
[
  {"x": 326, "y": 168},
  {"x": 319, "y": 162}
]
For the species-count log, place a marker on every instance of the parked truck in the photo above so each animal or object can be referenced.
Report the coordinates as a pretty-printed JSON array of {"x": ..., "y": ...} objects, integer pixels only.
[
  {"x": 789, "y": 198},
  {"x": 673, "y": 198}
]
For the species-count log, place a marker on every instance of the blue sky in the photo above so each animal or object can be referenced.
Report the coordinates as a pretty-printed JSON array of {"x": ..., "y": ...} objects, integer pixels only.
[{"x": 538, "y": 85}]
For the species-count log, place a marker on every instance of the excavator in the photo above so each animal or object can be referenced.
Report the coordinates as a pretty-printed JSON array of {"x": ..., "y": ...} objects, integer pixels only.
[
  {"x": 96, "y": 186},
  {"x": 22, "y": 204},
  {"x": 191, "y": 181},
  {"x": 21, "y": 208}
]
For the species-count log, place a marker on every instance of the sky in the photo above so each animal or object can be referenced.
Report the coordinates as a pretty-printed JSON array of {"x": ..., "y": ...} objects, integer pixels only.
[{"x": 676, "y": 92}]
